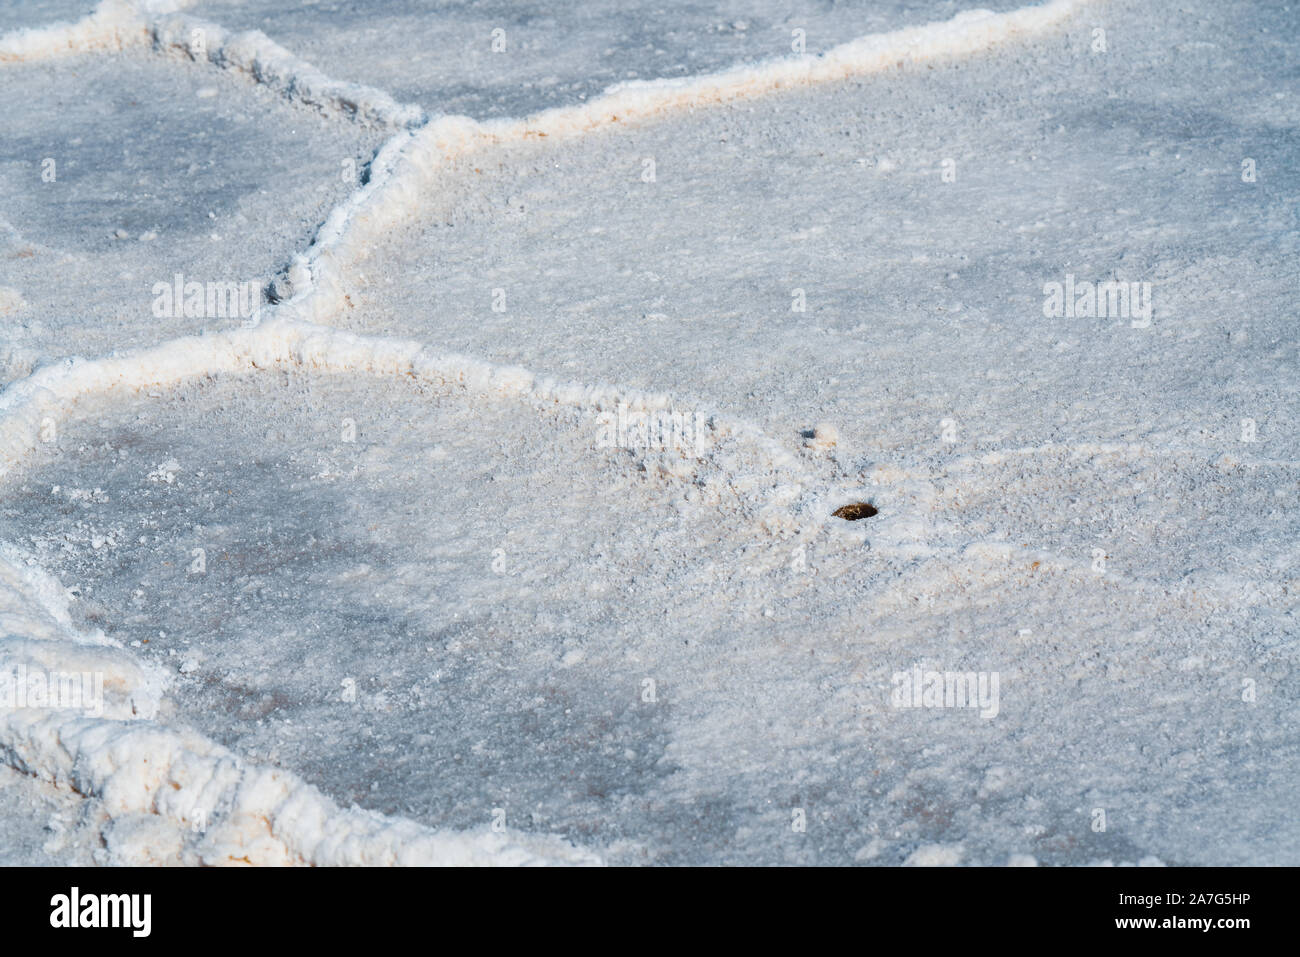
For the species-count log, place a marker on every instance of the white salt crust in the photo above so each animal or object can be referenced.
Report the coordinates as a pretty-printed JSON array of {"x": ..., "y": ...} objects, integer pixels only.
[{"x": 149, "y": 778}]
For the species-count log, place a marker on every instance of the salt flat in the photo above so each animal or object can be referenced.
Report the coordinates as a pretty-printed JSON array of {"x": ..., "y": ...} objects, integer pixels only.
[{"x": 384, "y": 550}]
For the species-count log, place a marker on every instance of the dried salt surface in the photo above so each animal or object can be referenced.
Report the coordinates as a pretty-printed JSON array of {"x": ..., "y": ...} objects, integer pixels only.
[
  {"x": 442, "y": 55},
  {"x": 158, "y": 169},
  {"x": 521, "y": 689},
  {"x": 168, "y": 796},
  {"x": 44, "y": 825},
  {"x": 491, "y": 585},
  {"x": 30, "y": 14},
  {"x": 51, "y": 29},
  {"x": 979, "y": 558},
  {"x": 918, "y": 293}
]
